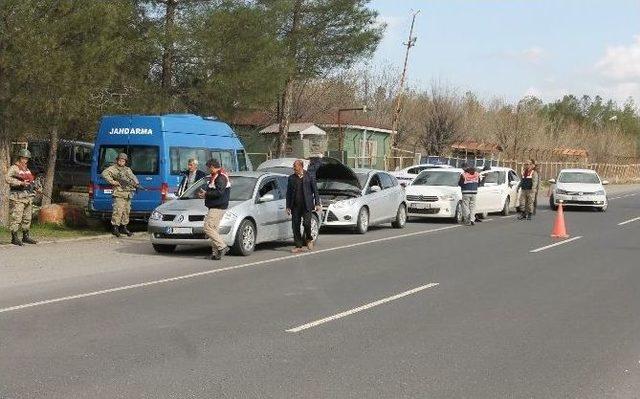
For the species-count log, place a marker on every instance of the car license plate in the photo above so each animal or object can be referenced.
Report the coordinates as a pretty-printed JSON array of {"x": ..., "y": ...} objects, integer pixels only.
[
  {"x": 179, "y": 230},
  {"x": 420, "y": 205},
  {"x": 108, "y": 191},
  {"x": 577, "y": 198}
]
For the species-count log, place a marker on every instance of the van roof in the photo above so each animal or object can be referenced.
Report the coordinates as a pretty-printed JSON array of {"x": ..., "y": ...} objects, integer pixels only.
[{"x": 168, "y": 123}]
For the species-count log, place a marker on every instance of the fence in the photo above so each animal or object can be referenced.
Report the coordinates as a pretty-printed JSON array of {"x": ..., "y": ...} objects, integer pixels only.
[{"x": 614, "y": 173}]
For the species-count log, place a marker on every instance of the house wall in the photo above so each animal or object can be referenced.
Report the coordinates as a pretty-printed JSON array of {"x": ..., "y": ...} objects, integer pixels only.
[{"x": 378, "y": 141}]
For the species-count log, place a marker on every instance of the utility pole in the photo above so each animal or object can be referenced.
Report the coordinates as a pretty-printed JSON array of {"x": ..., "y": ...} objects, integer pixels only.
[{"x": 396, "y": 113}]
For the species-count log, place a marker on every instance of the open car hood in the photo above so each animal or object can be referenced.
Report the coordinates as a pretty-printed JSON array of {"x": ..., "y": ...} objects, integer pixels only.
[{"x": 332, "y": 170}]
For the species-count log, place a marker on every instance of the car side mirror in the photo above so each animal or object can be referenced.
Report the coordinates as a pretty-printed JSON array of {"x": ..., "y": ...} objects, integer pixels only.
[
  {"x": 375, "y": 189},
  {"x": 605, "y": 182},
  {"x": 267, "y": 198},
  {"x": 552, "y": 181}
]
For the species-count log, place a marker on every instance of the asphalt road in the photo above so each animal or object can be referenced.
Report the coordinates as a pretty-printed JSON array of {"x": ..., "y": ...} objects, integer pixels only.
[{"x": 434, "y": 310}]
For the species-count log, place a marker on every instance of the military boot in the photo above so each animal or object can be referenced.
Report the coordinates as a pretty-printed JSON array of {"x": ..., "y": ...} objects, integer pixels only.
[
  {"x": 14, "y": 239},
  {"x": 115, "y": 231},
  {"x": 124, "y": 230},
  {"x": 27, "y": 238}
]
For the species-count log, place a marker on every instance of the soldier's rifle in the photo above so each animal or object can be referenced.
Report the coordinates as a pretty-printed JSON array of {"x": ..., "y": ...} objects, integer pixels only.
[
  {"x": 126, "y": 182},
  {"x": 34, "y": 187}
]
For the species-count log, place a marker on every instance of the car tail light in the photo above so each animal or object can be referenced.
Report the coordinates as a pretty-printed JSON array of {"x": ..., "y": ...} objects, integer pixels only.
[
  {"x": 164, "y": 190},
  {"x": 91, "y": 190}
]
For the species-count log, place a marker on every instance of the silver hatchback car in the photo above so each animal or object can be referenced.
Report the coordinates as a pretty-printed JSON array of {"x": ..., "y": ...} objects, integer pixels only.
[{"x": 256, "y": 214}]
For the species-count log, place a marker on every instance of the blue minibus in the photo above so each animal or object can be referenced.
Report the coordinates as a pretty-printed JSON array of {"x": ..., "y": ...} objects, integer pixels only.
[{"x": 159, "y": 148}]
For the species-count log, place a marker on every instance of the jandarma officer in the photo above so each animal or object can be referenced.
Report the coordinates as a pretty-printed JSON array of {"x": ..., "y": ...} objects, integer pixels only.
[
  {"x": 124, "y": 184},
  {"x": 20, "y": 180}
]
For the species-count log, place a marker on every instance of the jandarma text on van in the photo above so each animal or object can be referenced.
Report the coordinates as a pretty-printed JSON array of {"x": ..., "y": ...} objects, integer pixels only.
[{"x": 126, "y": 130}]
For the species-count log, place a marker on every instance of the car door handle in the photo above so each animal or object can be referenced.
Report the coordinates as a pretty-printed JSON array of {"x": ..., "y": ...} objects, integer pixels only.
[{"x": 281, "y": 207}]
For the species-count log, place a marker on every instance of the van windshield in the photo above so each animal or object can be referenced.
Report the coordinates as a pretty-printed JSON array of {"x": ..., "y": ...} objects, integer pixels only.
[{"x": 143, "y": 159}]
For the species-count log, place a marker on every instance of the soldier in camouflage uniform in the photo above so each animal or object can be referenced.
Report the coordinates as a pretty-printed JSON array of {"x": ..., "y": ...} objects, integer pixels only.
[
  {"x": 124, "y": 184},
  {"x": 21, "y": 183}
]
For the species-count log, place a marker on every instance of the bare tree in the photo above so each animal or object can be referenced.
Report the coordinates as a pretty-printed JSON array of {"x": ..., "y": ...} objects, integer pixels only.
[{"x": 442, "y": 119}]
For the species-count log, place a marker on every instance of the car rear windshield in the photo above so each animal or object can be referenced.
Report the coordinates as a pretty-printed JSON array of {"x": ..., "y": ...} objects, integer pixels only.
[
  {"x": 578, "y": 177},
  {"x": 143, "y": 159},
  {"x": 241, "y": 188},
  {"x": 436, "y": 178}
]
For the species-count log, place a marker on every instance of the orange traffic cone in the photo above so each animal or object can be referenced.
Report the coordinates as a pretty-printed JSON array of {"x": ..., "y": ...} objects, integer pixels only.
[{"x": 559, "y": 229}]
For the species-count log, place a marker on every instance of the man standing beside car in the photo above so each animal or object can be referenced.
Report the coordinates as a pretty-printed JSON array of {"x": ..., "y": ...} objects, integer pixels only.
[
  {"x": 469, "y": 182},
  {"x": 216, "y": 199},
  {"x": 529, "y": 186},
  {"x": 124, "y": 184},
  {"x": 302, "y": 200},
  {"x": 190, "y": 176}
]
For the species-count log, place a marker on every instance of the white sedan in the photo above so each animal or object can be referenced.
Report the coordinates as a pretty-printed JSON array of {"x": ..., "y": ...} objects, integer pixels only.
[
  {"x": 499, "y": 191},
  {"x": 579, "y": 187},
  {"x": 405, "y": 176},
  {"x": 436, "y": 193}
]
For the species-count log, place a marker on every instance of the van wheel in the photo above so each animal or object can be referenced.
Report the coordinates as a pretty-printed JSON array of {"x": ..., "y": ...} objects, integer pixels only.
[
  {"x": 164, "y": 249},
  {"x": 245, "y": 241},
  {"x": 401, "y": 217},
  {"x": 363, "y": 221},
  {"x": 506, "y": 208}
]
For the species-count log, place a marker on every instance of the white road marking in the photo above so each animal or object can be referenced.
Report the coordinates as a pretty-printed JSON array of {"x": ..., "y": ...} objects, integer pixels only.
[
  {"x": 360, "y": 308},
  {"x": 556, "y": 244},
  {"x": 214, "y": 271},
  {"x": 628, "y": 221}
]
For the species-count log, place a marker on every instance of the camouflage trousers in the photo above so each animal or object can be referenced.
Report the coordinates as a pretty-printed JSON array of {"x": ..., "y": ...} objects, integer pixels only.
[
  {"x": 121, "y": 210},
  {"x": 21, "y": 211},
  {"x": 527, "y": 201}
]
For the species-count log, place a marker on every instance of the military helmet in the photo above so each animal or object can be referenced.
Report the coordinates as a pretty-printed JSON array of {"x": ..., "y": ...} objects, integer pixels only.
[
  {"x": 24, "y": 153},
  {"x": 122, "y": 155}
]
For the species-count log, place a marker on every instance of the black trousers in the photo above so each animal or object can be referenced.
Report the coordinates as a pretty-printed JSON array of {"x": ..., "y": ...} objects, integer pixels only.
[{"x": 300, "y": 215}]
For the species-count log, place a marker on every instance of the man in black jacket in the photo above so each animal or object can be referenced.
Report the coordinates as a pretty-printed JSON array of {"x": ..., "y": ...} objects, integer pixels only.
[
  {"x": 302, "y": 199},
  {"x": 216, "y": 198}
]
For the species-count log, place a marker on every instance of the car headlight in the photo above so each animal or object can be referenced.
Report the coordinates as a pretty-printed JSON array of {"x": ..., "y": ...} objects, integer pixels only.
[
  {"x": 600, "y": 192},
  {"x": 560, "y": 191},
  {"x": 155, "y": 215},
  {"x": 228, "y": 218},
  {"x": 448, "y": 197},
  {"x": 344, "y": 204}
]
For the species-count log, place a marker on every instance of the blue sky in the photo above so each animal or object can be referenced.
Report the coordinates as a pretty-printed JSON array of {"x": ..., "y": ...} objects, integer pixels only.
[{"x": 511, "y": 48}]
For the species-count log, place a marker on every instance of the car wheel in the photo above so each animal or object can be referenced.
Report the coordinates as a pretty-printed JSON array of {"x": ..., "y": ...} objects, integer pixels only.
[
  {"x": 506, "y": 209},
  {"x": 245, "y": 241},
  {"x": 458, "y": 216},
  {"x": 363, "y": 221},
  {"x": 604, "y": 207},
  {"x": 163, "y": 248},
  {"x": 552, "y": 204},
  {"x": 401, "y": 217}
]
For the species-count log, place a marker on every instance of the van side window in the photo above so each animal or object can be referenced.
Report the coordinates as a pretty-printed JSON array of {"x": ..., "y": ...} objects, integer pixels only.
[
  {"x": 180, "y": 157},
  {"x": 242, "y": 161},
  {"x": 83, "y": 154},
  {"x": 226, "y": 158}
]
